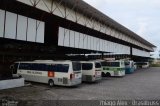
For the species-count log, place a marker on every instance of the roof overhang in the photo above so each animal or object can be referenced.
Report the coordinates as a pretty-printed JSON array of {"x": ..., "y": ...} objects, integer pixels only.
[{"x": 89, "y": 11}]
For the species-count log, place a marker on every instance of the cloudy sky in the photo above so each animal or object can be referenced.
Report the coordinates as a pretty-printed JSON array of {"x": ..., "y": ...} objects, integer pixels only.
[{"x": 140, "y": 16}]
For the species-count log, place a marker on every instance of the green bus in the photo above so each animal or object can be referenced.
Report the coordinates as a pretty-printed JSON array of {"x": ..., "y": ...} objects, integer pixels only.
[{"x": 113, "y": 68}]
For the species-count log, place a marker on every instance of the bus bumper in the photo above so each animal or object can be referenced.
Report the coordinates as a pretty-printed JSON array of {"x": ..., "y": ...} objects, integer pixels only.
[
  {"x": 74, "y": 82},
  {"x": 119, "y": 73},
  {"x": 97, "y": 78},
  {"x": 91, "y": 78},
  {"x": 129, "y": 70}
]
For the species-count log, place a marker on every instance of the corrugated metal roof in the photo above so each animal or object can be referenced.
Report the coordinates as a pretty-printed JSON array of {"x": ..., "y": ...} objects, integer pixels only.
[{"x": 90, "y": 11}]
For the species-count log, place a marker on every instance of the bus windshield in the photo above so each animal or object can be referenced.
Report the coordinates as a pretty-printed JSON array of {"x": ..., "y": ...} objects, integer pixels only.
[
  {"x": 87, "y": 66},
  {"x": 76, "y": 66}
]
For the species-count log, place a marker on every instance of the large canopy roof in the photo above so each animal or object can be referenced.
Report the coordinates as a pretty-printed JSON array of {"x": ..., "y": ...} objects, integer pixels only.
[{"x": 89, "y": 11}]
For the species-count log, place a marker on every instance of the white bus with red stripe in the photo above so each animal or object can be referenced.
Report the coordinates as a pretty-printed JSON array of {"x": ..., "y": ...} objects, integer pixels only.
[
  {"x": 91, "y": 71},
  {"x": 65, "y": 73}
]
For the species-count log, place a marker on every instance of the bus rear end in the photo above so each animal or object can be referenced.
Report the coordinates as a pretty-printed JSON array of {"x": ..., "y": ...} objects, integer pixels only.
[
  {"x": 121, "y": 68},
  {"x": 91, "y": 71},
  {"x": 113, "y": 68},
  {"x": 98, "y": 71},
  {"x": 75, "y": 74},
  {"x": 129, "y": 67}
]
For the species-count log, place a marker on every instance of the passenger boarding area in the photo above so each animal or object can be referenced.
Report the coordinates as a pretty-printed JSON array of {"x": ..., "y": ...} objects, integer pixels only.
[{"x": 73, "y": 73}]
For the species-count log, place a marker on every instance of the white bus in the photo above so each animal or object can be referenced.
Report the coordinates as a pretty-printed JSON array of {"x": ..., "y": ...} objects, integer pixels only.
[
  {"x": 91, "y": 71},
  {"x": 142, "y": 64},
  {"x": 135, "y": 66},
  {"x": 65, "y": 73},
  {"x": 113, "y": 68}
]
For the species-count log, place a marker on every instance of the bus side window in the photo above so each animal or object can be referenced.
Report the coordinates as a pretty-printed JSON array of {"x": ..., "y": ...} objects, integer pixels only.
[
  {"x": 51, "y": 68},
  {"x": 42, "y": 67},
  {"x": 62, "y": 67},
  {"x": 25, "y": 66},
  {"x": 34, "y": 66}
]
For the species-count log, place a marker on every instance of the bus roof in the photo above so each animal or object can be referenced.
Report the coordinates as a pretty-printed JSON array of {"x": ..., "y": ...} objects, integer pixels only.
[
  {"x": 115, "y": 61},
  {"x": 90, "y": 61},
  {"x": 46, "y": 61}
]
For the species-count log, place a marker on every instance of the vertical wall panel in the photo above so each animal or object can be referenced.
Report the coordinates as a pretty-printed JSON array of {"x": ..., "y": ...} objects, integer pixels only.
[
  {"x": 10, "y": 25},
  {"x": 22, "y": 28},
  {"x": 2, "y": 15},
  {"x": 107, "y": 46},
  {"x": 101, "y": 45},
  {"x": 89, "y": 43},
  {"x": 72, "y": 39},
  {"x": 111, "y": 47},
  {"x": 104, "y": 43},
  {"x": 85, "y": 41},
  {"x": 95, "y": 43},
  {"x": 31, "y": 32},
  {"x": 40, "y": 31},
  {"x": 66, "y": 38},
  {"x": 115, "y": 47},
  {"x": 119, "y": 49},
  {"x": 76, "y": 39},
  {"x": 92, "y": 43},
  {"x": 81, "y": 40},
  {"x": 61, "y": 36}
]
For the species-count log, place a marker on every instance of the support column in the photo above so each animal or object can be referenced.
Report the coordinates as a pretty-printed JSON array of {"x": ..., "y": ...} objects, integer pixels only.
[
  {"x": 102, "y": 55},
  {"x": 131, "y": 53}
]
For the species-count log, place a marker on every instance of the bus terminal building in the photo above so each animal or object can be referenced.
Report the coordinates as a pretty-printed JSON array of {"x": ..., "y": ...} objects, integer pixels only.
[{"x": 50, "y": 29}]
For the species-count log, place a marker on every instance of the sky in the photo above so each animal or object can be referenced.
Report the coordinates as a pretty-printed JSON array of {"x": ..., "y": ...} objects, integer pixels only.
[{"x": 140, "y": 16}]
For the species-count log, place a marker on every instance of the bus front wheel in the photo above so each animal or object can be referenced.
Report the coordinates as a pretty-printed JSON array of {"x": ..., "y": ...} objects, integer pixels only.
[
  {"x": 51, "y": 83},
  {"x": 103, "y": 74}
]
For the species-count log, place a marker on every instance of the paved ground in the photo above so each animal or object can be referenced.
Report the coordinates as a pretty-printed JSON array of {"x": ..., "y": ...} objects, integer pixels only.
[{"x": 143, "y": 84}]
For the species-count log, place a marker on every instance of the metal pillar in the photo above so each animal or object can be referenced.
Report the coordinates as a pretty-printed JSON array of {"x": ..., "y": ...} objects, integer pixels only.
[{"x": 131, "y": 53}]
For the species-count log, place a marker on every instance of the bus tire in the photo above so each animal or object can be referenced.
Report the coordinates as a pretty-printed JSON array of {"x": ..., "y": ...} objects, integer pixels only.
[
  {"x": 108, "y": 74},
  {"x": 103, "y": 74},
  {"x": 51, "y": 83}
]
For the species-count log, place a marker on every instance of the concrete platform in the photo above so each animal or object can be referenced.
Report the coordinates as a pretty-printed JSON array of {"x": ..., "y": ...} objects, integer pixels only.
[
  {"x": 11, "y": 83},
  {"x": 143, "y": 84}
]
